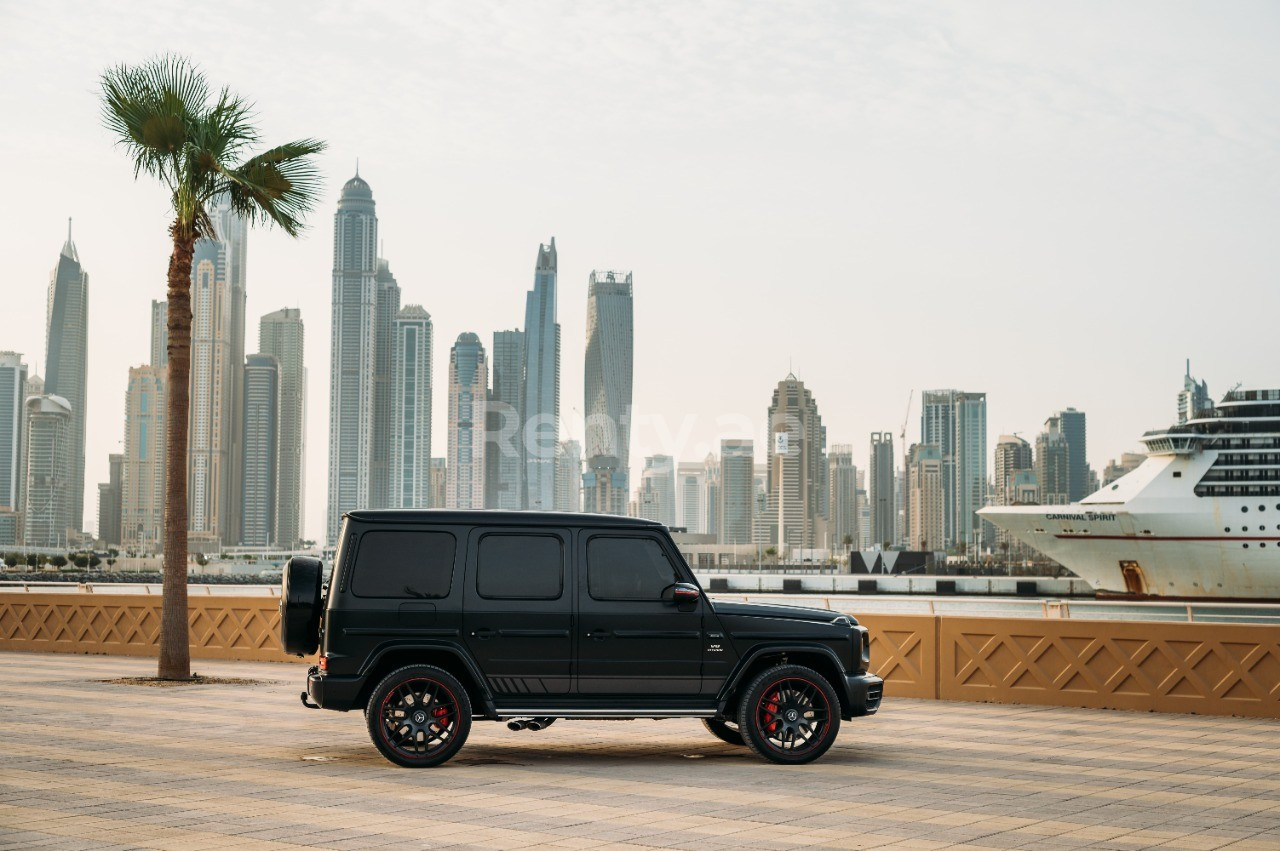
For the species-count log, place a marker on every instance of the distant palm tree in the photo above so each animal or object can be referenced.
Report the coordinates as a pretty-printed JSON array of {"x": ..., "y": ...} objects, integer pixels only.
[{"x": 162, "y": 115}]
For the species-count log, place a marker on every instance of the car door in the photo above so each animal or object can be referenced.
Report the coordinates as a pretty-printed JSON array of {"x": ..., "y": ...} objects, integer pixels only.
[
  {"x": 630, "y": 640},
  {"x": 519, "y": 609}
]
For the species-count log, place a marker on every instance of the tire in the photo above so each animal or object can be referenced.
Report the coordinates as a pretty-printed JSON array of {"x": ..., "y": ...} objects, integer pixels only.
[
  {"x": 300, "y": 588},
  {"x": 789, "y": 714},
  {"x": 725, "y": 731},
  {"x": 419, "y": 716}
]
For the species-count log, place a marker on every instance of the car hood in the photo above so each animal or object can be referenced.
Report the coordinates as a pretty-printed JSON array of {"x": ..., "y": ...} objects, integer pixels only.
[{"x": 772, "y": 610}]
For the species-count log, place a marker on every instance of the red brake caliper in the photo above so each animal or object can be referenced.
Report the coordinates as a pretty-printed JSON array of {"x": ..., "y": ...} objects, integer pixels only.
[{"x": 772, "y": 709}]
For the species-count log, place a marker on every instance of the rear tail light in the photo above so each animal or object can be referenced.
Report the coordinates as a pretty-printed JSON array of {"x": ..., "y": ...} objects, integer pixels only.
[{"x": 324, "y": 663}]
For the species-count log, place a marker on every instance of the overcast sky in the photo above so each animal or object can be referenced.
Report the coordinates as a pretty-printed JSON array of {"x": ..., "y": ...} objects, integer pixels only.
[{"x": 1055, "y": 204}]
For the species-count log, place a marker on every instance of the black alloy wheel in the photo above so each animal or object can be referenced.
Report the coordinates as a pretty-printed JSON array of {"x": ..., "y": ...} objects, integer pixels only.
[
  {"x": 789, "y": 714},
  {"x": 419, "y": 716},
  {"x": 725, "y": 731}
]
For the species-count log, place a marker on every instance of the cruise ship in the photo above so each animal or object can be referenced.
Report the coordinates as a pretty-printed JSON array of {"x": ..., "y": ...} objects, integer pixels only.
[{"x": 1200, "y": 518}]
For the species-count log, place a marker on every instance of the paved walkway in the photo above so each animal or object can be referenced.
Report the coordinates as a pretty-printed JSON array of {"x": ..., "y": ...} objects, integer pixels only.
[{"x": 85, "y": 764}]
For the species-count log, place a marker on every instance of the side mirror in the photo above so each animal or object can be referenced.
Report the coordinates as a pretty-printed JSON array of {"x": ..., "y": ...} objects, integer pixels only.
[{"x": 681, "y": 594}]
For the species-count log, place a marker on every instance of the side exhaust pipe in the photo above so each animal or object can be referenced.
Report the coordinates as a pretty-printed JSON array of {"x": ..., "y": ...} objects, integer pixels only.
[
  {"x": 517, "y": 725},
  {"x": 540, "y": 723}
]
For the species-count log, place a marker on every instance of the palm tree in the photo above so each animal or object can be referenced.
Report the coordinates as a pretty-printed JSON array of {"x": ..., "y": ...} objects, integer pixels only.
[{"x": 162, "y": 114}]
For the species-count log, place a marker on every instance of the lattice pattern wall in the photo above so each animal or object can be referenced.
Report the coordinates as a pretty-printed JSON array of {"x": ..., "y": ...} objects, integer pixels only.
[
  {"x": 1209, "y": 669},
  {"x": 904, "y": 650},
  {"x": 129, "y": 625}
]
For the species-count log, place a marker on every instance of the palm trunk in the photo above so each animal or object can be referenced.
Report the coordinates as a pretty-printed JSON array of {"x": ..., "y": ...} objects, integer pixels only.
[{"x": 175, "y": 640}]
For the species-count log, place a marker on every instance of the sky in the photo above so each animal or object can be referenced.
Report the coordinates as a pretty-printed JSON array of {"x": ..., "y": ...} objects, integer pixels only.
[{"x": 1055, "y": 204}]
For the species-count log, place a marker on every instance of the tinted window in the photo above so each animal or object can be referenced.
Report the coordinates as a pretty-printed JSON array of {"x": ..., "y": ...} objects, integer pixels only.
[
  {"x": 520, "y": 567},
  {"x": 627, "y": 569},
  {"x": 404, "y": 564}
]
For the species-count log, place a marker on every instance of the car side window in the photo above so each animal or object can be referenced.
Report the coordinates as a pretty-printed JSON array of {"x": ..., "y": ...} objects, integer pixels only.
[
  {"x": 520, "y": 567},
  {"x": 621, "y": 568},
  {"x": 404, "y": 564}
]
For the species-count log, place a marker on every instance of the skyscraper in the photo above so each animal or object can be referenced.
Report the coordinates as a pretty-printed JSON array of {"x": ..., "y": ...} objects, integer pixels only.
[
  {"x": 1194, "y": 399},
  {"x": 569, "y": 476},
  {"x": 541, "y": 382},
  {"x": 353, "y": 354},
  {"x": 13, "y": 381},
  {"x": 711, "y": 495},
  {"x": 690, "y": 489},
  {"x": 261, "y": 450},
  {"x": 143, "y": 480},
  {"x": 956, "y": 422},
  {"x": 881, "y": 496},
  {"x": 159, "y": 333},
  {"x": 50, "y": 453},
  {"x": 1012, "y": 455},
  {"x": 388, "y": 308},
  {"x": 281, "y": 335},
  {"x": 109, "y": 494},
  {"x": 797, "y": 461},
  {"x": 504, "y": 432},
  {"x": 214, "y": 444},
  {"x": 411, "y": 410},
  {"x": 439, "y": 478},
  {"x": 737, "y": 492},
  {"x": 1053, "y": 466},
  {"x": 924, "y": 478},
  {"x": 607, "y": 392},
  {"x": 842, "y": 479},
  {"x": 66, "y": 363},
  {"x": 658, "y": 480},
  {"x": 1073, "y": 427},
  {"x": 468, "y": 389}
]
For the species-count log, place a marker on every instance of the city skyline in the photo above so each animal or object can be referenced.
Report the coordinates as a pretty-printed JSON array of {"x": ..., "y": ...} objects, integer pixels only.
[{"x": 1075, "y": 184}]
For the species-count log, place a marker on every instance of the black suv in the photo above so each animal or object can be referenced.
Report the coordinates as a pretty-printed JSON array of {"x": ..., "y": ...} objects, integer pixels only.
[{"x": 431, "y": 619}]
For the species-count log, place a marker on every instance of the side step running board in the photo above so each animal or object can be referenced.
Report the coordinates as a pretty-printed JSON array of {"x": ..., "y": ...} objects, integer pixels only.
[{"x": 583, "y": 714}]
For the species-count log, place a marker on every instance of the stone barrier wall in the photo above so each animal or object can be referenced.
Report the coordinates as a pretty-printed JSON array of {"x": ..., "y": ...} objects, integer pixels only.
[{"x": 1209, "y": 669}]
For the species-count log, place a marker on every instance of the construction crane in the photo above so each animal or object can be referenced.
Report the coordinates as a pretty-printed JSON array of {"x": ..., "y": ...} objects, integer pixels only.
[
  {"x": 906, "y": 500},
  {"x": 902, "y": 433}
]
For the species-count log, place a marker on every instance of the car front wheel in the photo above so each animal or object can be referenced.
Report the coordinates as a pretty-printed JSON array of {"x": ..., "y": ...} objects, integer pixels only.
[
  {"x": 789, "y": 714},
  {"x": 419, "y": 716}
]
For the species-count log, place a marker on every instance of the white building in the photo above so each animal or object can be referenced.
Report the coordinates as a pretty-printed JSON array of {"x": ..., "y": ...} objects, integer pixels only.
[
  {"x": 468, "y": 392},
  {"x": 411, "y": 410}
]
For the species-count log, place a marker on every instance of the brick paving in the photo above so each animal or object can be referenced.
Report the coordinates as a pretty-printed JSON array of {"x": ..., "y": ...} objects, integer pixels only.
[{"x": 85, "y": 764}]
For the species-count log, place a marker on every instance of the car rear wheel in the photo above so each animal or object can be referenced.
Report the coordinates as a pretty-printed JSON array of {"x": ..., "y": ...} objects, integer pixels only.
[
  {"x": 789, "y": 714},
  {"x": 419, "y": 716},
  {"x": 725, "y": 731}
]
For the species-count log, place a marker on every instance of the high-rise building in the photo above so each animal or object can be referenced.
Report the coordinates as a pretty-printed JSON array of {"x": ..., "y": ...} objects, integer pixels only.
[
  {"x": 387, "y": 293},
  {"x": 690, "y": 488},
  {"x": 411, "y": 409},
  {"x": 504, "y": 433},
  {"x": 1012, "y": 455},
  {"x": 66, "y": 362},
  {"x": 217, "y": 328},
  {"x": 541, "y": 428},
  {"x": 956, "y": 422},
  {"x": 109, "y": 494},
  {"x": 568, "y": 476},
  {"x": 468, "y": 391},
  {"x": 711, "y": 494},
  {"x": 607, "y": 392},
  {"x": 797, "y": 466},
  {"x": 1053, "y": 466},
  {"x": 143, "y": 480},
  {"x": 439, "y": 479},
  {"x": 658, "y": 483},
  {"x": 159, "y": 333},
  {"x": 353, "y": 352},
  {"x": 924, "y": 477},
  {"x": 883, "y": 507},
  {"x": 280, "y": 334},
  {"x": 50, "y": 453},
  {"x": 842, "y": 481},
  {"x": 1194, "y": 399},
  {"x": 261, "y": 450},
  {"x": 1072, "y": 425},
  {"x": 13, "y": 416},
  {"x": 737, "y": 492}
]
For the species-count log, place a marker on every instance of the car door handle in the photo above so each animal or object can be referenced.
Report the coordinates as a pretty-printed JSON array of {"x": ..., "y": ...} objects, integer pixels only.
[
  {"x": 599, "y": 634},
  {"x": 484, "y": 633}
]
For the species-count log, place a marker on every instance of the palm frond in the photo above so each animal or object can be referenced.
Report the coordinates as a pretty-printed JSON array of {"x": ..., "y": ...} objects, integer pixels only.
[
  {"x": 151, "y": 108},
  {"x": 280, "y": 185}
]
